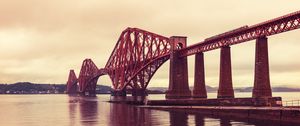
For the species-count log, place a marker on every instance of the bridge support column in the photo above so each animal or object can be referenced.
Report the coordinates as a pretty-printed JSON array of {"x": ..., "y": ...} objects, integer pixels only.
[
  {"x": 139, "y": 92},
  {"x": 225, "y": 85},
  {"x": 262, "y": 87},
  {"x": 178, "y": 78},
  {"x": 88, "y": 93},
  {"x": 139, "y": 96},
  {"x": 199, "y": 78},
  {"x": 118, "y": 93}
]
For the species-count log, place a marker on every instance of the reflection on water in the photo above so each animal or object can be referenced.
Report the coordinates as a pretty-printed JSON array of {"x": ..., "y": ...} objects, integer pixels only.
[
  {"x": 72, "y": 113},
  {"x": 199, "y": 120},
  {"x": 225, "y": 122},
  {"x": 89, "y": 111},
  {"x": 129, "y": 115},
  {"x": 178, "y": 119},
  {"x": 121, "y": 115},
  {"x": 49, "y": 110}
]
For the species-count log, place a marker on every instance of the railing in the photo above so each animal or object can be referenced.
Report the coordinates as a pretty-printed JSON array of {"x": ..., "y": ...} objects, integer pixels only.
[{"x": 292, "y": 103}]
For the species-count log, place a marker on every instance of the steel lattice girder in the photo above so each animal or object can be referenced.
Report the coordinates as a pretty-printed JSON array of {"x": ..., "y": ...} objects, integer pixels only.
[
  {"x": 72, "y": 82},
  {"x": 139, "y": 53},
  {"x": 278, "y": 25},
  {"x": 136, "y": 57},
  {"x": 86, "y": 77}
]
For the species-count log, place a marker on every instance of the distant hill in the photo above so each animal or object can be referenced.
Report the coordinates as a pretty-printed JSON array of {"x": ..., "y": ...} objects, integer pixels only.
[
  {"x": 32, "y": 88},
  {"x": 274, "y": 89}
]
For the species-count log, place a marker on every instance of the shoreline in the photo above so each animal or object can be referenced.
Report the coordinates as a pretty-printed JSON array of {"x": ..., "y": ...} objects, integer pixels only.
[{"x": 278, "y": 114}]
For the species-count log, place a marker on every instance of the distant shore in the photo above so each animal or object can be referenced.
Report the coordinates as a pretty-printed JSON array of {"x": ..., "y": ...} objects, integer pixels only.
[{"x": 33, "y": 88}]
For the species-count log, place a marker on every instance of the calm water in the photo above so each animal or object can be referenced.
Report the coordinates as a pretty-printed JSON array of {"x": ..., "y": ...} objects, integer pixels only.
[{"x": 62, "y": 110}]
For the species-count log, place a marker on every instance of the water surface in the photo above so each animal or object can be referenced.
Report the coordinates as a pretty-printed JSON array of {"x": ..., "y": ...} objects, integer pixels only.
[{"x": 62, "y": 110}]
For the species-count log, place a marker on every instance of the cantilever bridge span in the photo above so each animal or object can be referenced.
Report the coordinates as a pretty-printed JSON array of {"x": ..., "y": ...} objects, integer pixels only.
[{"x": 138, "y": 54}]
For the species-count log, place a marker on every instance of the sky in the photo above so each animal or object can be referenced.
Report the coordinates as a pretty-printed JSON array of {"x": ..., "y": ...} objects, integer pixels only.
[{"x": 40, "y": 41}]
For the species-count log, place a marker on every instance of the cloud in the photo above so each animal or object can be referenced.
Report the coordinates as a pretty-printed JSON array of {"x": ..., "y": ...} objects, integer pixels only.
[{"x": 41, "y": 40}]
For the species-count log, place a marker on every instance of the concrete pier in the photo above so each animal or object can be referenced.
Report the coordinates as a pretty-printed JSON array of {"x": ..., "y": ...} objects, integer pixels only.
[
  {"x": 225, "y": 85},
  {"x": 262, "y": 87},
  {"x": 199, "y": 83},
  {"x": 131, "y": 100},
  {"x": 178, "y": 77},
  {"x": 119, "y": 93}
]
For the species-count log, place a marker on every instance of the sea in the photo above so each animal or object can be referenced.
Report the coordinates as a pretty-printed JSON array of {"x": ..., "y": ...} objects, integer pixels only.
[{"x": 64, "y": 110}]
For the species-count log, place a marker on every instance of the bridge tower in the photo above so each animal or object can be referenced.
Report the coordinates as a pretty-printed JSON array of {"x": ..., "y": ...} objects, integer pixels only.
[
  {"x": 178, "y": 76},
  {"x": 72, "y": 87},
  {"x": 87, "y": 80}
]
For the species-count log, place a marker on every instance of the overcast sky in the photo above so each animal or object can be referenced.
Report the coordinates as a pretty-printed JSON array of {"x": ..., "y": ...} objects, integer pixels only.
[{"x": 41, "y": 40}]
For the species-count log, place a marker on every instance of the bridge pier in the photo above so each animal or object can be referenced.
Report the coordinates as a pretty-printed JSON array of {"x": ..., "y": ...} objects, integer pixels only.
[
  {"x": 119, "y": 93},
  {"x": 199, "y": 90},
  {"x": 178, "y": 78},
  {"x": 139, "y": 92},
  {"x": 90, "y": 93},
  {"x": 262, "y": 87},
  {"x": 225, "y": 85}
]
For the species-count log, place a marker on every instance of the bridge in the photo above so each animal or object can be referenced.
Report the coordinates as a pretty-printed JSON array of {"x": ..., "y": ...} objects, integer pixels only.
[{"x": 138, "y": 54}]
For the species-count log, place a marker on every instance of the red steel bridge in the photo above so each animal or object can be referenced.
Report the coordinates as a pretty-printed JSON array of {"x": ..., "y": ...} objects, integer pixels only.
[{"x": 138, "y": 54}]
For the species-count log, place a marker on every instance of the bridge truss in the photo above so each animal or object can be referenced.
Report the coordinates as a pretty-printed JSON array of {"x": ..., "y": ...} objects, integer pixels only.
[{"x": 138, "y": 54}]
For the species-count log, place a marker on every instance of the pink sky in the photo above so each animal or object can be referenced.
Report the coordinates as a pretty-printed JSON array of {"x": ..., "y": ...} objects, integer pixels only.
[{"x": 41, "y": 40}]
